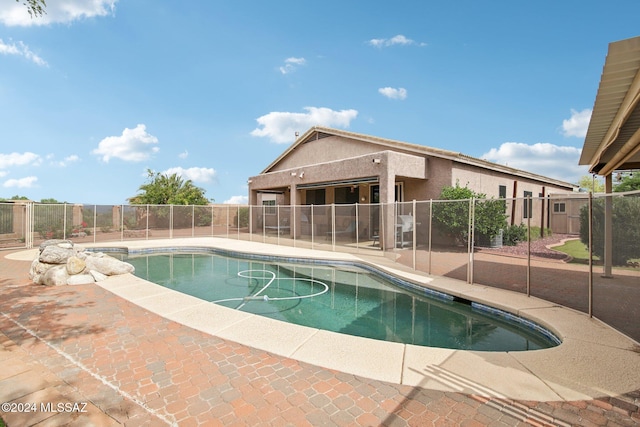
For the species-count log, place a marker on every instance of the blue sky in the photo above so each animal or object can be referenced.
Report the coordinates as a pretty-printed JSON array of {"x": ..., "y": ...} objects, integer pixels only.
[{"x": 96, "y": 92}]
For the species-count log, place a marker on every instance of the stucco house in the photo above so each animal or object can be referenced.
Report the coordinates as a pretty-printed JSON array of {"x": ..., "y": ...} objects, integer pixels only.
[{"x": 327, "y": 166}]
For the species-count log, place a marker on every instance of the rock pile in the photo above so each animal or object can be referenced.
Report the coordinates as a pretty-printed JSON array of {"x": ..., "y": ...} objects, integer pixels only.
[{"x": 60, "y": 263}]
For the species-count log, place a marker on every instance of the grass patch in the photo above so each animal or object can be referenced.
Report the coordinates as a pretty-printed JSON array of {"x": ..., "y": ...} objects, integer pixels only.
[
  {"x": 2, "y": 424},
  {"x": 576, "y": 250}
]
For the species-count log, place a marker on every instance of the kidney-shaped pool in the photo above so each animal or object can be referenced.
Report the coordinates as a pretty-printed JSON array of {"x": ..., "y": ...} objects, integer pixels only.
[{"x": 341, "y": 297}]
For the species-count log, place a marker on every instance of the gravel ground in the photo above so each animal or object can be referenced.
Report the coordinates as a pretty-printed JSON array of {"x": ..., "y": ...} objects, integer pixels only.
[{"x": 539, "y": 248}]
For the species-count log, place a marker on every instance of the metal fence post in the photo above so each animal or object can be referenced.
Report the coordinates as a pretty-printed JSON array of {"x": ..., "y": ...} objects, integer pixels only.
[
  {"x": 313, "y": 226},
  {"x": 95, "y": 221},
  {"x": 250, "y": 223},
  {"x": 430, "y": 230},
  {"x": 333, "y": 226},
  {"x": 357, "y": 229},
  {"x": 470, "y": 238},
  {"x": 590, "y": 222},
  {"x": 529, "y": 207},
  {"x": 415, "y": 225},
  {"x": 121, "y": 222}
]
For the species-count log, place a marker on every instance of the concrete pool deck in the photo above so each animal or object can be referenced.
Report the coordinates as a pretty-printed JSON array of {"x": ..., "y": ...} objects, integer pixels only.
[{"x": 593, "y": 361}]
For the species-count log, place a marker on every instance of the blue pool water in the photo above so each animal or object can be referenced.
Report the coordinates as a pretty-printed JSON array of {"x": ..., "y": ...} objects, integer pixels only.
[{"x": 342, "y": 298}]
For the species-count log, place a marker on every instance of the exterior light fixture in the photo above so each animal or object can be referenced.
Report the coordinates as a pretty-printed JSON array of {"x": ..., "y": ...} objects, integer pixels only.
[{"x": 376, "y": 160}]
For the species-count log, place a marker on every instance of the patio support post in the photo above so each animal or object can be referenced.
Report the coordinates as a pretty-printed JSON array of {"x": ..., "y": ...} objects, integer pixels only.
[{"x": 387, "y": 197}]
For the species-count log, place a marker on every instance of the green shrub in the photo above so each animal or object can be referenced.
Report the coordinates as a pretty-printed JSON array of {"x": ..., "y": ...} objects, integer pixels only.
[
  {"x": 626, "y": 228},
  {"x": 452, "y": 217},
  {"x": 514, "y": 234}
]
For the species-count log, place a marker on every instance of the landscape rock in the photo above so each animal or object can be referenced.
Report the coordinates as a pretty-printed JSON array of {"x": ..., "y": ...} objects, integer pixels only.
[
  {"x": 55, "y": 276},
  {"x": 75, "y": 265},
  {"x": 59, "y": 262},
  {"x": 108, "y": 265},
  {"x": 97, "y": 276},
  {"x": 55, "y": 254},
  {"x": 54, "y": 242}
]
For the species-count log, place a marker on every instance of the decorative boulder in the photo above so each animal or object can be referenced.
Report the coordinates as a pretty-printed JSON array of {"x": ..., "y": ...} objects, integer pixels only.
[
  {"x": 75, "y": 265},
  {"x": 55, "y": 276},
  {"x": 55, "y": 255},
  {"x": 108, "y": 265},
  {"x": 60, "y": 263}
]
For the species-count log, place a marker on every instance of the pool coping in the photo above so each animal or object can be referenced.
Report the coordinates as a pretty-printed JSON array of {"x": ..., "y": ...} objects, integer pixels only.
[{"x": 592, "y": 361}]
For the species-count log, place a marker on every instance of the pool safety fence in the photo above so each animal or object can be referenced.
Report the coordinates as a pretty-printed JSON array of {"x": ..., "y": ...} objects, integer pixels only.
[{"x": 491, "y": 242}]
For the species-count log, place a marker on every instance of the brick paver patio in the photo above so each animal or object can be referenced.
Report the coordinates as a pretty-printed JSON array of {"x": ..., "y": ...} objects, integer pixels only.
[{"x": 82, "y": 344}]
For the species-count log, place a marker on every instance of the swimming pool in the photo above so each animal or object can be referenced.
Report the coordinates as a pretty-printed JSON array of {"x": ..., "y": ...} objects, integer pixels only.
[{"x": 341, "y": 297}]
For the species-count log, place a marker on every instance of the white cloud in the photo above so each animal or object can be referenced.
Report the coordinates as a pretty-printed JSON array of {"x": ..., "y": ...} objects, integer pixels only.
[
  {"x": 26, "y": 182},
  {"x": 21, "y": 49},
  {"x": 17, "y": 159},
  {"x": 184, "y": 154},
  {"x": 236, "y": 200},
  {"x": 395, "y": 40},
  {"x": 14, "y": 13},
  {"x": 280, "y": 127},
  {"x": 291, "y": 64},
  {"x": 62, "y": 163},
  {"x": 134, "y": 145},
  {"x": 393, "y": 93},
  {"x": 578, "y": 124},
  {"x": 553, "y": 161},
  {"x": 195, "y": 174}
]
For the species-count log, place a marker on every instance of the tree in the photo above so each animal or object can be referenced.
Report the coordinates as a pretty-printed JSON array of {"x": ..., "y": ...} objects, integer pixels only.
[
  {"x": 628, "y": 183},
  {"x": 163, "y": 189},
  {"x": 35, "y": 7},
  {"x": 591, "y": 184}
]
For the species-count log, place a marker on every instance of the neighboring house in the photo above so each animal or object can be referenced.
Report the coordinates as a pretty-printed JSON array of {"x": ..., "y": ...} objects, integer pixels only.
[{"x": 328, "y": 166}]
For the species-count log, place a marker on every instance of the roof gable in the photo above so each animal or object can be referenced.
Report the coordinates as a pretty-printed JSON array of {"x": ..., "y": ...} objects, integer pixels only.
[{"x": 378, "y": 144}]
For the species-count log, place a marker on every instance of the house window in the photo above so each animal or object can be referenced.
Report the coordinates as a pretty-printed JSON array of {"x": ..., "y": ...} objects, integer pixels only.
[
  {"x": 502, "y": 191},
  {"x": 269, "y": 203},
  {"x": 315, "y": 197},
  {"x": 528, "y": 205},
  {"x": 559, "y": 207},
  {"x": 346, "y": 195}
]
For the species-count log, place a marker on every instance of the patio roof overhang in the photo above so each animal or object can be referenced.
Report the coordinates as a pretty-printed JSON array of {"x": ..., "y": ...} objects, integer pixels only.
[{"x": 613, "y": 138}]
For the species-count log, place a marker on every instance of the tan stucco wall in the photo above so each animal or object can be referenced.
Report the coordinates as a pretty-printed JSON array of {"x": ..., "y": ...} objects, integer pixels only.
[{"x": 325, "y": 150}]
